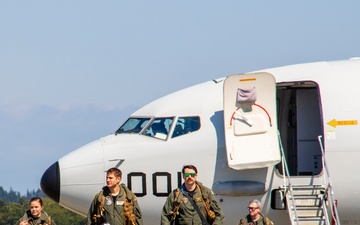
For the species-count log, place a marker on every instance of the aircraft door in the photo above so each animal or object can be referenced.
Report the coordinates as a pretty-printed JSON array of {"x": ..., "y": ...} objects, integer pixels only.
[{"x": 251, "y": 135}]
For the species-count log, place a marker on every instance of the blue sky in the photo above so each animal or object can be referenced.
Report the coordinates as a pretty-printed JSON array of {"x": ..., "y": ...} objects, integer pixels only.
[{"x": 73, "y": 71}]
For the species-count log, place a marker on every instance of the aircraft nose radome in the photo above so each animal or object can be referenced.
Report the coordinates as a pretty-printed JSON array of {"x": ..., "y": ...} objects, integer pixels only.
[{"x": 50, "y": 182}]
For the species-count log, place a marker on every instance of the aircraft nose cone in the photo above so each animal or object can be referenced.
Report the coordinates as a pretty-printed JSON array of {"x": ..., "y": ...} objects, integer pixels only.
[{"x": 50, "y": 182}]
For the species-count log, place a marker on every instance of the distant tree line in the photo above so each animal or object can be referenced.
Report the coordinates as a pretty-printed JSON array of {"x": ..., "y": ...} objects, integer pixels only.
[
  {"x": 14, "y": 196},
  {"x": 13, "y": 206}
]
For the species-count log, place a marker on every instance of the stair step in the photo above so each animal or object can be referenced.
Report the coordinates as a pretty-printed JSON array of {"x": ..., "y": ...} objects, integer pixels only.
[
  {"x": 308, "y": 212},
  {"x": 307, "y": 188},
  {"x": 311, "y": 220},
  {"x": 302, "y": 201},
  {"x": 309, "y": 192},
  {"x": 307, "y": 199},
  {"x": 306, "y": 207},
  {"x": 320, "y": 222}
]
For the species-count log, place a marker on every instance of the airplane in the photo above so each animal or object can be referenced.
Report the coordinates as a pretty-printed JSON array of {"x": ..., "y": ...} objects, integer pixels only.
[{"x": 286, "y": 136}]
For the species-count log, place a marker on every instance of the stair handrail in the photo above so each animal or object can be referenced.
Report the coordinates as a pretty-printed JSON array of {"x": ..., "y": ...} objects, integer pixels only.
[
  {"x": 323, "y": 203},
  {"x": 329, "y": 192},
  {"x": 286, "y": 174}
]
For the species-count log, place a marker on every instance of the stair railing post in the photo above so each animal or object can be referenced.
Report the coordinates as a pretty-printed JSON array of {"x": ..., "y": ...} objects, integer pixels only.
[
  {"x": 287, "y": 185},
  {"x": 329, "y": 189}
]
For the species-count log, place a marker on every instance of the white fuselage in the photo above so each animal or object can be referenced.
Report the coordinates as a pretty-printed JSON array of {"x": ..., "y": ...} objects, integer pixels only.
[{"x": 151, "y": 166}]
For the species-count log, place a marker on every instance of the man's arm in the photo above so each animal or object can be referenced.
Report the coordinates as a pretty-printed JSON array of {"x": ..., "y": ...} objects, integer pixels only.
[
  {"x": 215, "y": 206},
  {"x": 167, "y": 211},
  {"x": 92, "y": 211},
  {"x": 137, "y": 212}
]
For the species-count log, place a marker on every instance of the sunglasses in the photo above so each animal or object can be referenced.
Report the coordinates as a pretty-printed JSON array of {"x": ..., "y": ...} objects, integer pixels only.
[
  {"x": 189, "y": 174},
  {"x": 252, "y": 208}
]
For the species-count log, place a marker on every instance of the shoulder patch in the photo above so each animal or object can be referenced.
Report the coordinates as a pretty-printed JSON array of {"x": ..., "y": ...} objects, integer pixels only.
[{"x": 242, "y": 221}]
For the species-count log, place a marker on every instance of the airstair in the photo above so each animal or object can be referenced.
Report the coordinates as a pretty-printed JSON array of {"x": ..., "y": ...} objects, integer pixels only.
[
  {"x": 310, "y": 204},
  {"x": 305, "y": 204}
]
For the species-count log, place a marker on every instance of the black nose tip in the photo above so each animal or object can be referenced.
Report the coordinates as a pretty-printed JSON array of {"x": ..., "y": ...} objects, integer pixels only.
[{"x": 50, "y": 182}]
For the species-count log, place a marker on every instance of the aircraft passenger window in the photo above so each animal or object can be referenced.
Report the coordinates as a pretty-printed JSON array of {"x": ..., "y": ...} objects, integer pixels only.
[
  {"x": 159, "y": 128},
  {"x": 133, "y": 125},
  {"x": 185, "y": 125}
]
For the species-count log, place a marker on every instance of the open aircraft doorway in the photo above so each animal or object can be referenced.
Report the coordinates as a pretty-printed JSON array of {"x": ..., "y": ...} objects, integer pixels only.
[{"x": 300, "y": 124}]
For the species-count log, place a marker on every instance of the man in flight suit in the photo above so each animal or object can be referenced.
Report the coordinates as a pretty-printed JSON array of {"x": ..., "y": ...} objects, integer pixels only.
[
  {"x": 255, "y": 217},
  {"x": 115, "y": 204},
  {"x": 178, "y": 207}
]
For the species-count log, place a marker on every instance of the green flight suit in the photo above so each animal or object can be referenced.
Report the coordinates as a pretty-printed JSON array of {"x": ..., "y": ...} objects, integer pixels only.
[
  {"x": 43, "y": 219},
  {"x": 114, "y": 206},
  {"x": 263, "y": 220},
  {"x": 187, "y": 214}
]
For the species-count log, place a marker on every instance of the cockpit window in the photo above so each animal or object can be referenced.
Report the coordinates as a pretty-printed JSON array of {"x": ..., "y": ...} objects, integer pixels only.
[
  {"x": 133, "y": 125},
  {"x": 185, "y": 125},
  {"x": 159, "y": 128}
]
